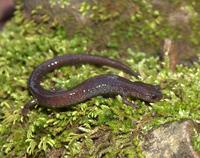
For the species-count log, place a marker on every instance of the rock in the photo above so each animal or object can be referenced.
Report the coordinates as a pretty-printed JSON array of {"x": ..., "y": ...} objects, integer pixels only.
[{"x": 171, "y": 140}]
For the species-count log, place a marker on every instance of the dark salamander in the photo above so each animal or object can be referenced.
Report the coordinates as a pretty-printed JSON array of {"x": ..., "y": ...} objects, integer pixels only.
[{"x": 104, "y": 85}]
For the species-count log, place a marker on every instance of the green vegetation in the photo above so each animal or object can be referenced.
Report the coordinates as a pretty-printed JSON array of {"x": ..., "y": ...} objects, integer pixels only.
[
  {"x": 119, "y": 25},
  {"x": 196, "y": 141},
  {"x": 100, "y": 126},
  {"x": 62, "y": 3}
]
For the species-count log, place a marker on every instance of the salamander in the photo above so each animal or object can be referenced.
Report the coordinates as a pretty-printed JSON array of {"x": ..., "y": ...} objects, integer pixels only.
[{"x": 104, "y": 85}]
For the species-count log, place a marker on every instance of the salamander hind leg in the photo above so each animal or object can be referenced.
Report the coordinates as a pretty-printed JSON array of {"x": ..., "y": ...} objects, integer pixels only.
[
  {"x": 127, "y": 102},
  {"x": 28, "y": 106}
]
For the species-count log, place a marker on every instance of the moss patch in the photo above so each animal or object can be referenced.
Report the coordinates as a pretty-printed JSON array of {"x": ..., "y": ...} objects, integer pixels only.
[{"x": 100, "y": 126}]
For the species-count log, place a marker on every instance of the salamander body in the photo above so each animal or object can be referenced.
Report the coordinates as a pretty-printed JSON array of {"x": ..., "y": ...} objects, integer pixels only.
[{"x": 104, "y": 85}]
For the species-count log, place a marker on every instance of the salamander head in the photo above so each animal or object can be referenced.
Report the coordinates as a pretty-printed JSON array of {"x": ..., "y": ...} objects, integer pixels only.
[{"x": 146, "y": 92}]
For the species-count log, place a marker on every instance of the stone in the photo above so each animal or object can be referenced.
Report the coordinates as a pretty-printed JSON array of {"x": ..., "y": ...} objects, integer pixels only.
[{"x": 171, "y": 140}]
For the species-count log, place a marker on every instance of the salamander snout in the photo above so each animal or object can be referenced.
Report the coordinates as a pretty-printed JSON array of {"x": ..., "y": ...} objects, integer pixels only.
[
  {"x": 153, "y": 97},
  {"x": 153, "y": 93}
]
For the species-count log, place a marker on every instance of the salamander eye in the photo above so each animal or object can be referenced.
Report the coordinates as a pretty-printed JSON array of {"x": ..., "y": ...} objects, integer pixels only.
[
  {"x": 153, "y": 96},
  {"x": 157, "y": 87}
]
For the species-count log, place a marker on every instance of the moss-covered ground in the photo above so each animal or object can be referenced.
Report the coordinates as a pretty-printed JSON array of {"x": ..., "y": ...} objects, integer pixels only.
[{"x": 100, "y": 126}]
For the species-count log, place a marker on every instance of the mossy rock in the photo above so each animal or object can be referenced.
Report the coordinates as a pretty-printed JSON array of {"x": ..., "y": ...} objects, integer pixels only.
[{"x": 140, "y": 25}]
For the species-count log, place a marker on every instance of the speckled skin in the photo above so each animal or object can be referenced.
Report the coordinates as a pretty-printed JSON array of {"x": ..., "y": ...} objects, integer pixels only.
[{"x": 99, "y": 85}]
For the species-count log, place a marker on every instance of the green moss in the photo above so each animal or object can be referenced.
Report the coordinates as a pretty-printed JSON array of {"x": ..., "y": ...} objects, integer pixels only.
[
  {"x": 124, "y": 24},
  {"x": 62, "y": 3},
  {"x": 196, "y": 141},
  {"x": 100, "y": 126}
]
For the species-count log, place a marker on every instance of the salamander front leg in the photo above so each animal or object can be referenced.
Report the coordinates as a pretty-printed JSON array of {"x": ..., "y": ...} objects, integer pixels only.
[
  {"x": 28, "y": 106},
  {"x": 127, "y": 102}
]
